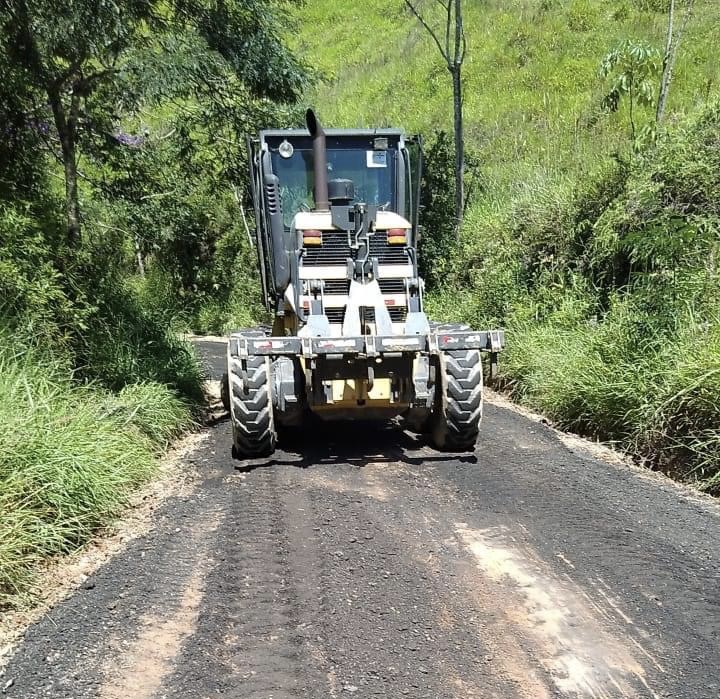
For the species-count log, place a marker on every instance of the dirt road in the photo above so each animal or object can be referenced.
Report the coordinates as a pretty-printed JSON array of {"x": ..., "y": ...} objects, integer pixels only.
[{"x": 363, "y": 563}]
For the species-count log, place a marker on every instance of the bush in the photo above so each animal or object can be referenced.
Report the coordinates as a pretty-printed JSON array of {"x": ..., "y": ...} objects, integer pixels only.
[
  {"x": 656, "y": 399},
  {"x": 438, "y": 209},
  {"x": 679, "y": 425},
  {"x": 582, "y": 16},
  {"x": 609, "y": 291},
  {"x": 124, "y": 343},
  {"x": 33, "y": 299},
  {"x": 70, "y": 455}
]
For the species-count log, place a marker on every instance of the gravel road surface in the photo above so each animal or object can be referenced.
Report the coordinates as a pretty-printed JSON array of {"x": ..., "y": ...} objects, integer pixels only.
[{"x": 360, "y": 562}]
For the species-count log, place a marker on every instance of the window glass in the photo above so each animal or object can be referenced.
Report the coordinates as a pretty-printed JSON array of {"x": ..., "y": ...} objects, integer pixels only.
[{"x": 372, "y": 173}]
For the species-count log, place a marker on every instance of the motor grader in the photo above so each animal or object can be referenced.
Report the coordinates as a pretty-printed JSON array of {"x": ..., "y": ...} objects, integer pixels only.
[{"x": 336, "y": 231}]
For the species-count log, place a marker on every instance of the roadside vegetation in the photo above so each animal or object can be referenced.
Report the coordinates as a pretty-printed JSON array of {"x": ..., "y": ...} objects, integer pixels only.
[
  {"x": 122, "y": 184},
  {"x": 70, "y": 455},
  {"x": 591, "y": 227}
]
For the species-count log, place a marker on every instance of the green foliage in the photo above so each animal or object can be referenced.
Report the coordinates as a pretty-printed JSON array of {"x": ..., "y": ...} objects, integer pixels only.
[
  {"x": 667, "y": 222},
  {"x": 31, "y": 287},
  {"x": 583, "y": 15},
  {"x": 655, "y": 395},
  {"x": 652, "y": 5},
  {"x": 617, "y": 334},
  {"x": 634, "y": 69},
  {"x": 532, "y": 97},
  {"x": 125, "y": 343},
  {"x": 70, "y": 456},
  {"x": 202, "y": 73},
  {"x": 128, "y": 119},
  {"x": 437, "y": 204}
]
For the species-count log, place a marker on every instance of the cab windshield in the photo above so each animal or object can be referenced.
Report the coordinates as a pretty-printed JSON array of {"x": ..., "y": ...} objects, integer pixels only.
[{"x": 372, "y": 173}]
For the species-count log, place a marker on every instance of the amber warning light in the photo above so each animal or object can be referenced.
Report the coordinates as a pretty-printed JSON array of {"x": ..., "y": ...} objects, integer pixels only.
[
  {"x": 397, "y": 236},
  {"x": 312, "y": 237}
]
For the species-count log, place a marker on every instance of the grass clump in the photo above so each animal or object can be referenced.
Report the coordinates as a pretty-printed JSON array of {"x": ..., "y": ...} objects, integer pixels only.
[
  {"x": 70, "y": 455},
  {"x": 657, "y": 400}
]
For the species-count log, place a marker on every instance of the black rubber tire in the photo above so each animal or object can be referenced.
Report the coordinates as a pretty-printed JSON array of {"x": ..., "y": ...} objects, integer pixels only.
[
  {"x": 225, "y": 392},
  {"x": 251, "y": 407},
  {"x": 459, "y": 400},
  {"x": 421, "y": 421}
]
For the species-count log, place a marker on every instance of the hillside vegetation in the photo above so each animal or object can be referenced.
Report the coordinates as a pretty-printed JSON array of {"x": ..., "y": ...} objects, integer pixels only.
[
  {"x": 532, "y": 91},
  {"x": 598, "y": 253}
]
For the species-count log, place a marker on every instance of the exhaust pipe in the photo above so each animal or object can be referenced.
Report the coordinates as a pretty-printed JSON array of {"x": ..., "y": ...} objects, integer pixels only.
[{"x": 320, "y": 193}]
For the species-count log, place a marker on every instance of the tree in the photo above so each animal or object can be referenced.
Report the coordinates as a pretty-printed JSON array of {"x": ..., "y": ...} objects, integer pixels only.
[
  {"x": 74, "y": 53},
  {"x": 633, "y": 67},
  {"x": 438, "y": 208},
  {"x": 670, "y": 56},
  {"x": 21, "y": 161},
  {"x": 453, "y": 49}
]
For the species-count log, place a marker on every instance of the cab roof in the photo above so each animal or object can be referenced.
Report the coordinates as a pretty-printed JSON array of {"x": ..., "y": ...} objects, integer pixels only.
[{"x": 275, "y": 133}]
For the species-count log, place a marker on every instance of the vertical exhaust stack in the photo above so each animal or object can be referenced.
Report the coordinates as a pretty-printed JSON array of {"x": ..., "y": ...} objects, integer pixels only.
[{"x": 319, "y": 161}]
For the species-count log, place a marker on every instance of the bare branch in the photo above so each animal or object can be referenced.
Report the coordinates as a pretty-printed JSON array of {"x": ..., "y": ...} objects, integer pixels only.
[
  {"x": 430, "y": 31},
  {"x": 670, "y": 58},
  {"x": 686, "y": 19},
  {"x": 464, "y": 47},
  {"x": 448, "y": 22},
  {"x": 85, "y": 83}
]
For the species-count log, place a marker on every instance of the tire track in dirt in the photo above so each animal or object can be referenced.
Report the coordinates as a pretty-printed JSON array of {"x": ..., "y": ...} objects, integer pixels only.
[
  {"x": 248, "y": 642},
  {"x": 468, "y": 662},
  {"x": 137, "y": 668},
  {"x": 542, "y": 638}
]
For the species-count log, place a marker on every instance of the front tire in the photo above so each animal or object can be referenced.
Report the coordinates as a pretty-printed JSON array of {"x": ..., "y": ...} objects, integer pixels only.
[
  {"x": 459, "y": 400},
  {"x": 251, "y": 407}
]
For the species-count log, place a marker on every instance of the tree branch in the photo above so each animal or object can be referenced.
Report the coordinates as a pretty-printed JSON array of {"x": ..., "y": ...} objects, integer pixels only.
[
  {"x": 448, "y": 22},
  {"x": 85, "y": 83},
  {"x": 670, "y": 58},
  {"x": 429, "y": 30}
]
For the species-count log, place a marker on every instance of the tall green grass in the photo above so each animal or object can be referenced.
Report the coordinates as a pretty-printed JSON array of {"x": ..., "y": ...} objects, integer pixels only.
[
  {"x": 658, "y": 401},
  {"x": 70, "y": 456}
]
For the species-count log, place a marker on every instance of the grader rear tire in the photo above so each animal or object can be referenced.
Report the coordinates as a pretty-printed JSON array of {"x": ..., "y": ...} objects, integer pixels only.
[
  {"x": 458, "y": 400},
  {"x": 225, "y": 392}
]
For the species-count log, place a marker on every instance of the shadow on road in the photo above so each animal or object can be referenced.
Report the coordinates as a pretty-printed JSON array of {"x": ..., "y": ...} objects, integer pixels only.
[{"x": 356, "y": 444}]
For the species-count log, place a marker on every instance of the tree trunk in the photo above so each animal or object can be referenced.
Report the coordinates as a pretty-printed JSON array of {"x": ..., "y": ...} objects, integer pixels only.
[
  {"x": 72, "y": 203},
  {"x": 458, "y": 57},
  {"x": 665, "y": 81},
  {"x": 671, "y": 54},
  {"x": 454, "y": 58},
  {"x": 67, "y": 129},
  {"x": 459, "y": 149}
]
